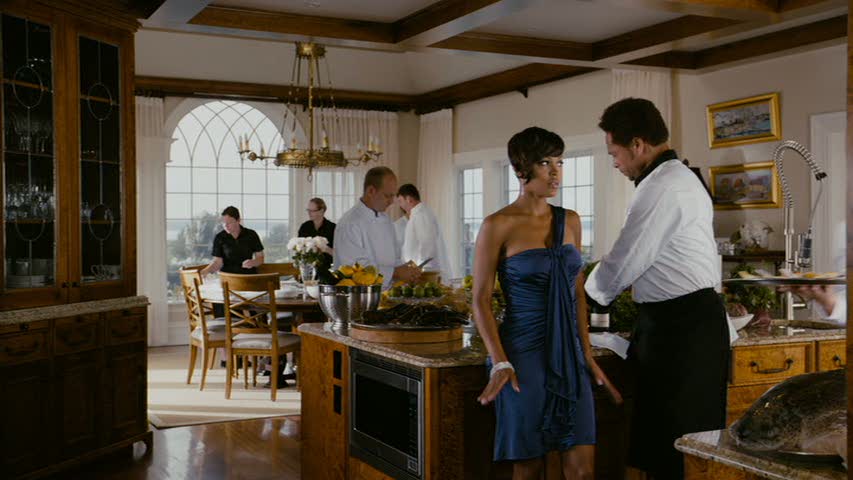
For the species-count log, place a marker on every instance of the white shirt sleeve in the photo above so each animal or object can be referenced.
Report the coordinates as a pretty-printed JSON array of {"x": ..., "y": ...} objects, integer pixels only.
[
  {"x": 653, "y": 219},
  {"x": 839, "y": 312}
]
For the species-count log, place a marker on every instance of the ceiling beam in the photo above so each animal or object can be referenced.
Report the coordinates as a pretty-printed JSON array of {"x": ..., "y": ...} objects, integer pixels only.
[
  {"x": 665, "y": 32},
  {"x": 175, "y": 12},
  {"x": 801, "y": 36},
  {"x": 447, "y": 18},
  {"x": 516, "y": 79},
  {"x": 826, "y": 30},
  {"x": 513, "y": 45},
  {"x": 310, "y": 26},
  {"x": 189, "y": 87}
]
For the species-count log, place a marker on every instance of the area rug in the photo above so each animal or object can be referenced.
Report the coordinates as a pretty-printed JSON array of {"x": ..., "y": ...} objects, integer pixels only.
[{"x": 173, "y": 403}]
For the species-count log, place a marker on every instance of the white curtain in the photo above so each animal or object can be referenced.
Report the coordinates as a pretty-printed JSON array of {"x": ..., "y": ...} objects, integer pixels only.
[
  {"x": 654, "y": 86},
  {"x": 152, "y": 153},
  {"x": 436, "y": 176}
]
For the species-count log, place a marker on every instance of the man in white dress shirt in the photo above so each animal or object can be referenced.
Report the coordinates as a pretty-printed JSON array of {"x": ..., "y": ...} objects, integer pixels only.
[
  {"x": 365, "y": 234},
  {"x": 667, "y": 254},
  {"x": 423, "y": 239}
]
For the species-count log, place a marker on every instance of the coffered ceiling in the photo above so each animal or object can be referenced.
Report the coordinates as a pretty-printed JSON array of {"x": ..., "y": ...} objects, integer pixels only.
[{"x": 437, "y": 50}]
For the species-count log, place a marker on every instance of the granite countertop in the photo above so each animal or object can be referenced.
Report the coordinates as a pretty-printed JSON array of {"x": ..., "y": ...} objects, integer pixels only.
[
  {"x": 787, "y": 332},
  {"x": 27, "y": 315},
  {"x": 718, "y": 446},
  {"x": 470, "y": 351}
]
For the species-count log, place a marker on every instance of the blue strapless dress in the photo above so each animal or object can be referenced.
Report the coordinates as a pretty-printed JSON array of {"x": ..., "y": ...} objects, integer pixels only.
[{"x": 554, "y": 410}]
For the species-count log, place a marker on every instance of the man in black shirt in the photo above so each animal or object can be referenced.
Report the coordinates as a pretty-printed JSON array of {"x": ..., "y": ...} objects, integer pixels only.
[
  {"x": 319, "y": 226},
  {"x": 236, "y": 249}
]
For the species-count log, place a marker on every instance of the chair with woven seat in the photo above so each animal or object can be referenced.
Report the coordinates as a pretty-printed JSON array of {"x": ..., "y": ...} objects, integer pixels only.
[
  {"x": 251, "y": 325},
  {"x": 206, "y": 332}
]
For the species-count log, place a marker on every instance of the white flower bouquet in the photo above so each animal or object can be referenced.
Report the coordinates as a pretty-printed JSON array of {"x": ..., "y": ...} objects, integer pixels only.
[{"x": 308, "y": 250}]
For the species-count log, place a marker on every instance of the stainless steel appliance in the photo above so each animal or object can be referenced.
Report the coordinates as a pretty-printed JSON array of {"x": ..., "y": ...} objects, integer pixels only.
[{"x": 386, "y": 415}]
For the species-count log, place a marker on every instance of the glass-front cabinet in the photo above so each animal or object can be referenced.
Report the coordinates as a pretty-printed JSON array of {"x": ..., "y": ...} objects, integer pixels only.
[{"x": 67, "y": 153}]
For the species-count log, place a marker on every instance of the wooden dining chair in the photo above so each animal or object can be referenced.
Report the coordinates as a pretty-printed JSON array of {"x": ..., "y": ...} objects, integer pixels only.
[
  {"x": 281, "y": 269},
  {"x": 206, "y": 332},
  {"x": 251, "y": 326}
]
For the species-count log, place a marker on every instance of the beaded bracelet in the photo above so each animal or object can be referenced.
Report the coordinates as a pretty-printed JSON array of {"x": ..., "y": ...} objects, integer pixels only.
[{"x": 500, "y": 366}]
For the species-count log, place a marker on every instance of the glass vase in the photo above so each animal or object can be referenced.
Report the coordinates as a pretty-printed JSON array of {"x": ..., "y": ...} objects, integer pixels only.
[{"x": 308, "y": 272}]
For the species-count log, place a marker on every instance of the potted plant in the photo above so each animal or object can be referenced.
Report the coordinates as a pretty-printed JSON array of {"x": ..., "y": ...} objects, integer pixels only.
[
  {"x": 307, "y": 252},
  {"x": 759, "y": 301}
]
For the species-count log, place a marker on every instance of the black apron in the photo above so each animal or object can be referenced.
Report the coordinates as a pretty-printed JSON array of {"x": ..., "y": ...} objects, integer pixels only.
[{"x": 680, "y": 355}]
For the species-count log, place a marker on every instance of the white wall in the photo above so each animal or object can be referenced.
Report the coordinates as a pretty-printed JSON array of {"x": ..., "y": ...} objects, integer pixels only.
[
  {"x": 568, "y": 107},
  {"x": 808, "y": 83}
]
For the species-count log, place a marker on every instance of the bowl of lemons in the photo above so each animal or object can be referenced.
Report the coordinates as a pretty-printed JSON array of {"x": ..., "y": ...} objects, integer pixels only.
[{"x": 358, "y": 289}]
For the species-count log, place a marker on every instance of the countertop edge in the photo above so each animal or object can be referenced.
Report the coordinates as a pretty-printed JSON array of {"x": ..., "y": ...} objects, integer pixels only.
[
  {"x": 742, "y": 460},
  {"x": 796, "y": 338},
  {"x": 380, "y": 349},
  {"x": 26, "y": 315}
]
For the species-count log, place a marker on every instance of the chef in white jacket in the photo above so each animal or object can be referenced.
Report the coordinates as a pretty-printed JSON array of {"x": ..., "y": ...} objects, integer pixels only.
[
  {"x": 423, "y": 239},
  {"x": 365, "y": 234}
]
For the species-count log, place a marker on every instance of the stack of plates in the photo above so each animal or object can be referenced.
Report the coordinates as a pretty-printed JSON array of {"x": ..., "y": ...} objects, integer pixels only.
[{"x": 26, "y": 281}]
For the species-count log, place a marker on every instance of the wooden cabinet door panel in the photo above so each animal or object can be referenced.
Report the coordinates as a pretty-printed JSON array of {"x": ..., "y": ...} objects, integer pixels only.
[
  {"x": 78, "y": 406},
  {"x": 77, "y": 334},
  {"x": 24, "y": 426},
  {"x": 126, "y": 389},
  {"x": 24, "y": 347},
  {"x": 831, "y": 355},
  {"x": 325, "y": 403}
]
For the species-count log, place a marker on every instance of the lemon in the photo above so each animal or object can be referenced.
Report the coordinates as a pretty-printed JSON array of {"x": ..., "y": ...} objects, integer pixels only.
[
  {"x": 371, "y": 269},
  {"x": 379, "y": 280},
  {"x": 346, "y": 271},
  {"x": 346, "y": 283},
  {"x": 364, "y": 278}
]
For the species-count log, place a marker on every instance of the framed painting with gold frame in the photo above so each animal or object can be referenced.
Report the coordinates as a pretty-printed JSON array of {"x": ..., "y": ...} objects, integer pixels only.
[
  {"x": 751, "y": 185},
  {"x": 748, "y": 120}
]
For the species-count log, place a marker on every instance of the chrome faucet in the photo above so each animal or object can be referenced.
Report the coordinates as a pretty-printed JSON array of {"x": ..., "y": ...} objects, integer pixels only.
[{"x": 797, "y": 258}]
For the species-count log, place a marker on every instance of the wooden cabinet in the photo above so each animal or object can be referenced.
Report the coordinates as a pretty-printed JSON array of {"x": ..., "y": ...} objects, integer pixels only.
[
  {"x": 68, "y": 150},
  {"x": 325, "y": 399},
  {"x": 71, "y": 388},
  {"x": 757, "y": 368}
]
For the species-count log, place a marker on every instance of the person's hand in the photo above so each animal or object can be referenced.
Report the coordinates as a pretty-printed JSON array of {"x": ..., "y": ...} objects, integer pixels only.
[
  {"x": 822, "y": 294},
  {"x": 407, "y": 273},
  {"x": 601, "y": 379},
  {"x": 248, "y": 263},
  {"x": 496, "y": 383}
]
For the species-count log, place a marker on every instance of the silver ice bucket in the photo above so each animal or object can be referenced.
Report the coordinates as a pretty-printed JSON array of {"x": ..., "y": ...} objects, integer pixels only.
[{"x": 345, "y": 304}]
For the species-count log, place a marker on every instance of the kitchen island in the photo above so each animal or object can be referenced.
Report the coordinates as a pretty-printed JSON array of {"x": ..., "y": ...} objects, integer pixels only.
[
  {"x": 457, "y": 433},
  {"x": 714, "y": 455}
]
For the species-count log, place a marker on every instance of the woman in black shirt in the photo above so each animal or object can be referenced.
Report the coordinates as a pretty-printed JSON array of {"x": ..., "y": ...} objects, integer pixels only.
[{"x": 319, "y": 226}]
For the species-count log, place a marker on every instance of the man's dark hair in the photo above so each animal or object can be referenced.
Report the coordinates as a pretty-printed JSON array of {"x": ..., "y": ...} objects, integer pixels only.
[
  {"x": 633, "y": 118},
  {"x": 530, "y": 146},
  {"x": 375, "y": 176},
  {"x": 409, "y": 190},
  {"x": 231, "y": 212}
]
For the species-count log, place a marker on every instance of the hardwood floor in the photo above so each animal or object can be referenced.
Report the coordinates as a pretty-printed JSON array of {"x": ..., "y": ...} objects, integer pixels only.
[{"x": 251, "y": 449}]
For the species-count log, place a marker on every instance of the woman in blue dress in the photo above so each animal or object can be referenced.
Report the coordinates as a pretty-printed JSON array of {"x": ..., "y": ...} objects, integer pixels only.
[{"x": 540, "y": 360}]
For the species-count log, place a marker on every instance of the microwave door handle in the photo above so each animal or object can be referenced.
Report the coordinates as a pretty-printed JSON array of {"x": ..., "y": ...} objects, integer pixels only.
[{"x": 395, "y": 380}]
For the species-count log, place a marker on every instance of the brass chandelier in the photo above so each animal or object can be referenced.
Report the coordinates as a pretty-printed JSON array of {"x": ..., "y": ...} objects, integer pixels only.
[{"x": 311, "y": 157}]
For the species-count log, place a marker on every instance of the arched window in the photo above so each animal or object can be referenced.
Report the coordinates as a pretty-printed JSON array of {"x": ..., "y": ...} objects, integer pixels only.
[{"x": 205, "y": 175}]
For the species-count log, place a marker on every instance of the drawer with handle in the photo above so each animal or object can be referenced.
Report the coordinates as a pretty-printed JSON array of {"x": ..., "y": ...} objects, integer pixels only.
[
  {"x": 831, "y": 355},
  {"x": 77, "y": 334},
  {"x": 767, "y": 363},
  {"x": 23, "y": 347},
  {"x": 125, "y": 326}
]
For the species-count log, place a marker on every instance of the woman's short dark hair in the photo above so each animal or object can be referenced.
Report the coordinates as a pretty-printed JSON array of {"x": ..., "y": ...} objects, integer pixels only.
[
  {"x": 321, "y": 205},
  {"x": 530, "y": 146},
  {"x": 409, "y": 190},
  {"x": 633, "y": 118},
  {"x": 231, "y": 212}
]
